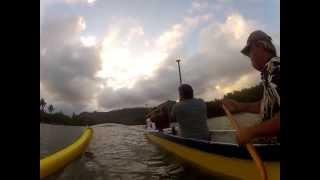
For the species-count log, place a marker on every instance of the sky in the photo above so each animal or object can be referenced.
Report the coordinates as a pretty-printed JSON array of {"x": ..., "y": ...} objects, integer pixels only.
[{"x": 101, "y": 55}]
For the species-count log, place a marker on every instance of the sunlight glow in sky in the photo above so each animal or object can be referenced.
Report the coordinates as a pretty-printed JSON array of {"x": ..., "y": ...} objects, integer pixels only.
[
  {"x": 105, "y": 54},
  {"x": 122, "y": 66}
]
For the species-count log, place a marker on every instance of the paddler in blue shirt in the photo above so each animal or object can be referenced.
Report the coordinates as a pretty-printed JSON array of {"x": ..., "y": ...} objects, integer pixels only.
[{"x": 191, "y": 115}]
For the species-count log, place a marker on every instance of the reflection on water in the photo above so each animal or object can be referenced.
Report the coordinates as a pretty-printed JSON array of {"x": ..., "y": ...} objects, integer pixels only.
[
  {"x": 222, "y": 123},
  {"x": 122, "y": 152},
  {"x": 56, "y": 137}
]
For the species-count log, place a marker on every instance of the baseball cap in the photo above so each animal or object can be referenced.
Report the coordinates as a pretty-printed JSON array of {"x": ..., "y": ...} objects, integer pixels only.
[{"x": 257, "y": 35}]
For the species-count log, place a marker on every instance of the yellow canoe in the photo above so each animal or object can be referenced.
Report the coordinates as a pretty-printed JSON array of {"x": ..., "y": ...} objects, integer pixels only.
[
  {"x": 219, "y": 159},
  {"x": 62, "y": 158}
]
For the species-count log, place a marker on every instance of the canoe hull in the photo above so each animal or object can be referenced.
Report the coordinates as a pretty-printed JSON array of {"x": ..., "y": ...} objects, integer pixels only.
[{"x": 214, "y": 164}]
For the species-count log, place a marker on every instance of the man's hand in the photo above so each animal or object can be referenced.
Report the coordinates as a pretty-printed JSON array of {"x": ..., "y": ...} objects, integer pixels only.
[{"x": 232, "y": 105}]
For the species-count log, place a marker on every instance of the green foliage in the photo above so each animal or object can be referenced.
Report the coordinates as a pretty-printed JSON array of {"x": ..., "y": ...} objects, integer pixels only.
[
  {"x": 136, "y": 116},
  {"x": 252, "y": 94},
  {"x": 50, "y": 108},
  {"x": 43, "y": 104},
  {"x": 57, "y": 118},
  {"x": 214, "y": 108}
]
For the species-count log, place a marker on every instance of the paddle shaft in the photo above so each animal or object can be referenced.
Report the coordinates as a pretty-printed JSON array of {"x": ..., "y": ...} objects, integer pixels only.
[{"x": 249, "y": 146}]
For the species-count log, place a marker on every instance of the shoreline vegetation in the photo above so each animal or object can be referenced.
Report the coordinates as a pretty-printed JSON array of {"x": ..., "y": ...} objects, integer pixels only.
[{"x": 136, "y": 115}]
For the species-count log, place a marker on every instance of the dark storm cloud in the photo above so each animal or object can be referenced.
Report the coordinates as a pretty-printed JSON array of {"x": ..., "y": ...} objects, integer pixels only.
[
  {"x": 67, "y": 67},
  {"x": 218, "y": 60}
]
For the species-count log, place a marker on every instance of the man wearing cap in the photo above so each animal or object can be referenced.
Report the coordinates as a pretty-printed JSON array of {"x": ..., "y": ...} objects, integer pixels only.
[
  {"x": 262, "y": 52},
  {"x": 191, "y": 115}
]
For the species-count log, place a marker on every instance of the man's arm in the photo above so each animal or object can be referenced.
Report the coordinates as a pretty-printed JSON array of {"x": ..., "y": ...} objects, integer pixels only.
[
  {"x": 172, "y": 115},
  {"x": 268, "y": 128}
]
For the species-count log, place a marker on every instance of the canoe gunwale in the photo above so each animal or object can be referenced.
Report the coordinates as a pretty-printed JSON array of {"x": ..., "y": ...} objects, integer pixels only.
[{"x": 268, "y": 152}]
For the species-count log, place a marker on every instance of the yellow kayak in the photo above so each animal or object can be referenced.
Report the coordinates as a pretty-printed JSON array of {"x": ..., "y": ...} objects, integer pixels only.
[{"x": 62, "y": 158}]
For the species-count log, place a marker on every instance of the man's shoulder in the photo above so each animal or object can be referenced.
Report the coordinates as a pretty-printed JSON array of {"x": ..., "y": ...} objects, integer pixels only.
[
  {"x": 189, "y": 102},
  {"x": 176, "y": 106},
  {"x": 196, "y": 100},
  {"x": 200, "y": 101}
]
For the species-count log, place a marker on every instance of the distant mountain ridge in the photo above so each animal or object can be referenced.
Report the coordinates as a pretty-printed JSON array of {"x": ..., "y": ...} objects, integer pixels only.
[
  {"x": 128, "y": 116},
  {"x": 137, "y": 115}
]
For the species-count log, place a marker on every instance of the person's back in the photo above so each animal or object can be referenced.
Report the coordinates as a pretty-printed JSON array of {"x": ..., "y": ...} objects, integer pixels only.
[{"x": 191, "y": 114}]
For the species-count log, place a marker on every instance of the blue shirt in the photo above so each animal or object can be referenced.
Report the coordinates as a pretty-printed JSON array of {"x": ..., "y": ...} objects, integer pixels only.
[{"x": 191, "y": 114}]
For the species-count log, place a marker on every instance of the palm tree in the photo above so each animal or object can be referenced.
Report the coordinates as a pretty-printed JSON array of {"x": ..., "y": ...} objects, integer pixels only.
[
  {"x": 43, "y": 104},
  {"x": 50, "y": 108}
]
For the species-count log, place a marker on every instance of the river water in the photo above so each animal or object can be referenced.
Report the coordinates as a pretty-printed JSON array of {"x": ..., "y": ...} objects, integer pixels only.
[{"x": 122, "y": 152}]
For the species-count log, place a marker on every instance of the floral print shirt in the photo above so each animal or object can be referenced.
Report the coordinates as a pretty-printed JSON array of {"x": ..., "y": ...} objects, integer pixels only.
[{"x": 270, "y": 76}]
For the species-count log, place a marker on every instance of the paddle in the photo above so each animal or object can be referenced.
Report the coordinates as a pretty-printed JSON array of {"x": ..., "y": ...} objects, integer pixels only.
[{"x": 249, "y": 146}]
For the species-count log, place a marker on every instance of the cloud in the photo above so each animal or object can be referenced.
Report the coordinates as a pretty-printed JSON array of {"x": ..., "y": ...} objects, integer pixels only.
[
  {"x": 134, "y": 82},
  {"x": 128, "y": 67},
  {"x": 150, "y": 91},
  {"x": 68, "y": 68},
  {"x": 88, "y": 40},
  {"x": 174, "y": 37},
  {"x": 45, "y": 4},
  {"x": 217, "y": 68},
  {"x": 193, "y": 22},
  {"x": 125, "y": 54},
  {"x": 128, "y": 54},
  {"x": 219, "y": 59},
  {"x": 198, "y": 6},
  {"x": 80, "y": 1}
]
